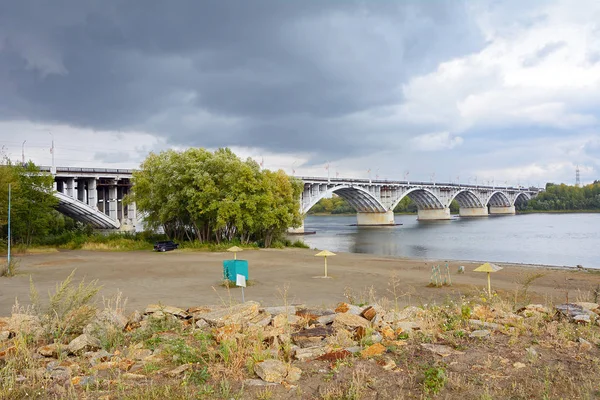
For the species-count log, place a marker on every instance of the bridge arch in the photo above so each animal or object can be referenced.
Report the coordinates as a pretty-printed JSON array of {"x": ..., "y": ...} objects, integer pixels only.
[
  {"x": 467, "y": 199},
  {"x": 498, "y": 199},
  {"x": 521, "y": 197},
  {"x": 82, "y": 212},
  {"x": 423, "y": 198},
  {"x": 360, "y": 199}
]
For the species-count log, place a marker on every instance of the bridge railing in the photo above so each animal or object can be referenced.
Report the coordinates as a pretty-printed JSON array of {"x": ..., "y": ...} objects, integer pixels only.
[{"x": 89, "y": 170}]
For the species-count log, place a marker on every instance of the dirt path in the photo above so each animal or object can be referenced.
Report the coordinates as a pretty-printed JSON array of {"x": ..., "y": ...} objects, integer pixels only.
[{"x": 192, "y": 278}]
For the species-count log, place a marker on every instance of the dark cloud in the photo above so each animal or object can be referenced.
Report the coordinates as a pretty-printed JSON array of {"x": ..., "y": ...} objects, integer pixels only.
[{"x": 281, "y": 75}]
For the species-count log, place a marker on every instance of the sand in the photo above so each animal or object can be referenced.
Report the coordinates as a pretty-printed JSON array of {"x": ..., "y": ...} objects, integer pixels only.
[{"x": 188, "y": 279}]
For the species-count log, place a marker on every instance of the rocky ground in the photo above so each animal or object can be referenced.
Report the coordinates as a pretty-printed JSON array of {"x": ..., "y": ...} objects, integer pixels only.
[{"x": 477, "y": 348}]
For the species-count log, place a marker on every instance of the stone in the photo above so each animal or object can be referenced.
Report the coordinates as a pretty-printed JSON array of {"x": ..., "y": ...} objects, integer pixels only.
[
  {"x": 376, "y": 337},
  {"x": 519, "y": 365},
  {"x": 349, "y": 320},
  {"x": 282, "y": 320},
  {"x": 594, "y": 307},
  {"x": 5, "y": 335},
  {"x": 310, "y": 353},
  {"x": 481, "y": 333},
  {"x": 289, "y": 310},
  {"x": 584, "y": 345},
  {"x": 406, "y": 326},
  {"x": 83, "y": 343},
  {"x": 132, "y": 377},
  {"x": 389, "y": 364},
  {"x": 237, "y": 314},
  {"x": 335, "y": 356},
  {"x": 139, "y": 354},
  {"x": 326, "y": 319},
  {"x": 179, "y": 370},
  {"x": 533, "y": 309},
  {"x": 388, "y": 333},
  {"x": 27, "y": 324},
  {"x": 271, "y": 371},
  {"x": 201, "y": 324},
  {"x": 374, "y": 350},
  {"x": 582, "y": 319},
  {"x": 353, "y": 349},
  {"x": 369, "y": 313},
  {"x": 440, "y": 349},
  {"x": 483, "y": 324},
  {"x": 178, "y": 312},
  {"x": 293, "y": 374},
  {"x": 51, "y": 350},
  {"x": 99, "y": 357},
  {"x": 258, "y": 382},
  {"x": 575, "y": 312},
  {"x": 312, "y": 336},
  {"x": 60, "y": 374},
  {"x": 83, "y": 380},
  {"x": 531, "y": 352},
  {"x": 260, "y": 321},
  {"x": 408, "y": 313},
  {"x": 312, "y": 314},
  {"x": 343, "y": 308}
]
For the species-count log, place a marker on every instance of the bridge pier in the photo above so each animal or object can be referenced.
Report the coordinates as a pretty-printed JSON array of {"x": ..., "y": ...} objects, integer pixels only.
[
  {"x": 473, "y": 212},
  {"x": 112, "y": 202},
  {"x": 495, "y": 210},
  {"x": 433, "y": 215},
  {"x": 92, "y": 194},
  {"x": 375, "y": 218},
  {"x": 297, "y": 230}
]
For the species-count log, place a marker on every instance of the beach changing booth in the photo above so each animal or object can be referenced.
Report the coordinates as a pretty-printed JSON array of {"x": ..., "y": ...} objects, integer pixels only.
[{"x": 235, "y": 267}]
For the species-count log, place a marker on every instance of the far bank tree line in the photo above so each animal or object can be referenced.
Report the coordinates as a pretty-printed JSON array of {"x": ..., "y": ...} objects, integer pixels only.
[
  {"x": 198, "y": 195},
  {"x": 555, "y": 198}
]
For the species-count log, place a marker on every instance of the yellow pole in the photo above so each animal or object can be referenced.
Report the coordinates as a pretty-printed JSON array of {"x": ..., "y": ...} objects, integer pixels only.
[
  {"x": 235, "y": 256},
  {"x": 325, "y": 266},
  {"x": 489, "y": 286}
]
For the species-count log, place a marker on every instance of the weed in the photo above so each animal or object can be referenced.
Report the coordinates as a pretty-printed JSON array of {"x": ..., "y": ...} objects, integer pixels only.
[
  {"x": 182, "y": 353},
  {"x": 11, "y": 269},
  {"x": 435, "y": 379},
  {"x": 265, "y": 394}
]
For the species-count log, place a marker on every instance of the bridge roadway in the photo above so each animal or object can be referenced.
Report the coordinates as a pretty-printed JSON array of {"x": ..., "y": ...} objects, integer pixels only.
[{"x": 95, "y": 195}]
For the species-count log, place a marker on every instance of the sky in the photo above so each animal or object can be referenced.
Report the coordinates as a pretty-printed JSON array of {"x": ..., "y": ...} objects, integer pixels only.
[{"x": 483, "y": 91}]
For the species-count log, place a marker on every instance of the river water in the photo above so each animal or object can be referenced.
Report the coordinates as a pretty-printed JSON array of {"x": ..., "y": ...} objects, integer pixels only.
[{"x": 548, "y": 239}]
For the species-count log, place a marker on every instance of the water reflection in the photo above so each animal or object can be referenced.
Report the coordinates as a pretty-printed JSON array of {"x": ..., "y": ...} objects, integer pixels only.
[{"x": 553, "y": 239}]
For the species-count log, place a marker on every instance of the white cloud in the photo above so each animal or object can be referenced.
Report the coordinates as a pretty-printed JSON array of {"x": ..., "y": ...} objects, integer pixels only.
[{"x": 435, "y": 141}]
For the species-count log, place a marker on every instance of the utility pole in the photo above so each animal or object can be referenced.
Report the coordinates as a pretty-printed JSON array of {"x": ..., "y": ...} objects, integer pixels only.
[
  {"x": 53, "y": 169},
  {"x": 8, "y": 258},
  {"x": 23, "y": 152}
]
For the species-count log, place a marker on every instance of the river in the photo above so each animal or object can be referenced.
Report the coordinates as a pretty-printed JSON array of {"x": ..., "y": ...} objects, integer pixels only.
[{"x": 547, "y": 239}]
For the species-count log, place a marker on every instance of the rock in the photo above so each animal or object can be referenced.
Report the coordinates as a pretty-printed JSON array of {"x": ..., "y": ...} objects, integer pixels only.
[
  {"x": 376, "y": 349},
  {"x": 482, "y": 333},
  {"x": 408, "y": 313},
  {"x": 353, "y": 349},
  {"x": 582, "y": 319},
  {"x": 312, "y": 314},
  {"x": 179, "y": 370},
  {"x": 27, "y": 324},
  {"x": 132, "y": 377},
  {"x": 575, "y": 312},
  {"x": 139, "y": 354},
  {"x": 440, "y": 349},
  {"x": 519, "y": 365},
  {"x": 201, "y": 324},
  {"x": 283, "y": 320},
  {"x": 99, "y": 357},
  {"x": 388, "y": 333},
  {"x": 83, "y": 343},
  {"x": 376, "y": 337},
  {"x": 271, "y": 371},
  {"x": 483, "y": 324},
  {"x": 389, "y": 364},
  {"x": 288, "y": 310},
  {"x": 260, "y": 321},
  {"x": 326, "y": 319},
  {"x": 335, "y": 356},
  {"x": 293, "y": 374},
  {"x": 531, "y": 352},
  {"x": 349, "y": 320},
  {"x": 584, "y": 345},
  {"x": 156, "y": 308},
  {"x": 5, "y": 335},
  {"x": 310, "y": 353},
  {"x": 197, "y": 312},
  {"x": 369, "y": 313},
  {"x": 112, "y": 317},
  {"x": 51, "y": 350},
  {"x": 60, "y": 374},
  {"x": 343, "y": 308},
  {"x": 406, "y": 326},
  {"x": 258, "y": 382},
  {"x": 589, "y": 306},
  {"x": 238, "y": 314},
  {"x": 83, "y": 380},
  {"x": 312, "y": 336}
]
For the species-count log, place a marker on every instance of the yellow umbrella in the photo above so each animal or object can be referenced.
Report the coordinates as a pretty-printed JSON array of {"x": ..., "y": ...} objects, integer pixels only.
[
  {"x": 325, "y": 254},
  {"x": 487, "y": 267},
  {"x": 234, "y": 250}
]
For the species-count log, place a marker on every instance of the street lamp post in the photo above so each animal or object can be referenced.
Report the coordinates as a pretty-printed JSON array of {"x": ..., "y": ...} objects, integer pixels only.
[
  {"x": 53, "y": 169},
  {"x": 8, "y": 257},
  {"x": 23, "y": 152}
]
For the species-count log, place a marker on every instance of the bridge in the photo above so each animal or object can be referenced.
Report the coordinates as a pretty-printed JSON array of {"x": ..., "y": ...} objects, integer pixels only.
[{"x": 95, "y": 196}]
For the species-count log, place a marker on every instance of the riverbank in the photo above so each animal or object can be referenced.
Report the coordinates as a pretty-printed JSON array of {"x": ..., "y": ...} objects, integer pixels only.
[{"x": 183, "y": 278}]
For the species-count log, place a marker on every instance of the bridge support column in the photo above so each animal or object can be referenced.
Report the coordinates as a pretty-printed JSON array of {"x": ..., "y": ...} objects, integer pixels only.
[
  {"x": 71, "y": 187},
  {"x": 473, "y": 212},
  {"x": 375, "y": 218},
  {"x": 112, "y": 202},
  {"x": 92, "y": 194},
  {"x": 433, "y": 215},
  {"x": 81, "y": 190},
  {"x": 502, "y": 210}
]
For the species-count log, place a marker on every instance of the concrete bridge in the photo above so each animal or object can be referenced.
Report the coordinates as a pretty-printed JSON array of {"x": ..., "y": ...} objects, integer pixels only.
[{"x": 95, "y": 196}]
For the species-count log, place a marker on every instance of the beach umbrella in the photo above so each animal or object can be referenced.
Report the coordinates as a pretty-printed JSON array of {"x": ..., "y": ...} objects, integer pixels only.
[
  {"x": 489, "y": 268},
  {"x": 234, "y": 250},
  {"x": 325, "y": 254}
]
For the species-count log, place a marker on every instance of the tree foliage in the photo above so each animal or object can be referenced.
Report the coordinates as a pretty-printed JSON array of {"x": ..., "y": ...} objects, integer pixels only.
[
  {"x": 566, "y": 198},
  {"x": 200, "y": 195},
  {"x": 332, "y": 205},
  {"x": 32, "y": 205}
]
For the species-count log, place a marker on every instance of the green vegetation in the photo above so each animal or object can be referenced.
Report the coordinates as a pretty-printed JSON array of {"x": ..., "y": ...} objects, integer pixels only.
[
  {"x": 215, "y": 197},
  {"x": 565, "y": 198}
]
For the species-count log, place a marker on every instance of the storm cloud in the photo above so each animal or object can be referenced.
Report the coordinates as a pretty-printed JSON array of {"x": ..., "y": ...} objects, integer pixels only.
[{"x": 335, "y": 80}]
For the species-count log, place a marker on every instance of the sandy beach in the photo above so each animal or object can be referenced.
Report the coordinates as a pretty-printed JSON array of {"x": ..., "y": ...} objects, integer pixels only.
[{"x": 187, "y": 279}]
